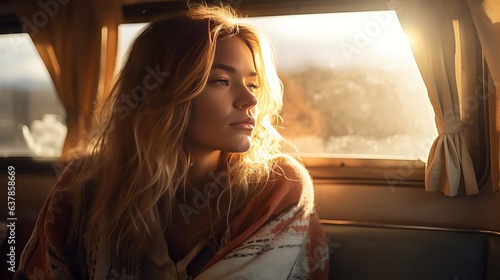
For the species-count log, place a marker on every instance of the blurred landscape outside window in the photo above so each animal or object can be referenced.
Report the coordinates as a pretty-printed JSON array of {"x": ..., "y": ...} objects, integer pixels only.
[
  {"x": 31, "y": 114},
  {"x": 352, "y": 86}
]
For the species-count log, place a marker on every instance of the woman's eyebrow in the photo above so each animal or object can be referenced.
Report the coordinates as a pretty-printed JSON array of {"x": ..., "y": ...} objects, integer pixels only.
[{"x": 229, "y": 68}]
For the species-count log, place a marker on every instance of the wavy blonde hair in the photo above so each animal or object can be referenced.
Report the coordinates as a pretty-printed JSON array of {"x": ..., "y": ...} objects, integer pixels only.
[{"x": 136, "y": 160}]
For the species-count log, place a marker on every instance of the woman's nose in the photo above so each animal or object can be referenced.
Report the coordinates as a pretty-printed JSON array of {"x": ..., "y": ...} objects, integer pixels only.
[{"x": 246, "y": 99}]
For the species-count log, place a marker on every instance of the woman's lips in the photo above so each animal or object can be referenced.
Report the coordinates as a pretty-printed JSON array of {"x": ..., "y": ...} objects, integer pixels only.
[
  {"x": 248, "y": 126},
  {"x": 246, "y": 123}
]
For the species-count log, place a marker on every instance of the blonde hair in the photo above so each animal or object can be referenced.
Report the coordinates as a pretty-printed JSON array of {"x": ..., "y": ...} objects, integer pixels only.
[{"x": 136, "y": 162}]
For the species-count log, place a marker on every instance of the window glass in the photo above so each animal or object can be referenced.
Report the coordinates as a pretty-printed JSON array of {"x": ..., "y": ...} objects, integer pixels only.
[
  {"x": 127, "y": 33},
  {"x": 352, "y": 87},
  {"x": 31, "y": 114}
]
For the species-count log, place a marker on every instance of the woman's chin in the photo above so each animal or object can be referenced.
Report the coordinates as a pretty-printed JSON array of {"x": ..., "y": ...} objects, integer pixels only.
[{"x": 242, "y": 147}]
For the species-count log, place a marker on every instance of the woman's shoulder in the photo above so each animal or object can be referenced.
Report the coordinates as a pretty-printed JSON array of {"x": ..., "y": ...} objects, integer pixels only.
[
  {"x": 70, "y": 183},
  {"x": 68, "y": 174},
  {"x": 290, "y": 176},
  {"x": 69, "y": 171},
  {"x": 289, "y": 169}
]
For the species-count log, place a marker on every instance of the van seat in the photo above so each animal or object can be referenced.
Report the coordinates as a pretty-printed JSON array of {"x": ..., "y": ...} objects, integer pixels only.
[{"x": 368, "y": 251}]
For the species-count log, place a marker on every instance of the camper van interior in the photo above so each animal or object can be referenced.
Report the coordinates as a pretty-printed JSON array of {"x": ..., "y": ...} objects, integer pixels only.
[{"x": 391, "y": 105}]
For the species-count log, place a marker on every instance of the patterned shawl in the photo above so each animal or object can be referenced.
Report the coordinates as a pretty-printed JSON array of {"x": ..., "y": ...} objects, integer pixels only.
[{"x": 277, "y": 235}]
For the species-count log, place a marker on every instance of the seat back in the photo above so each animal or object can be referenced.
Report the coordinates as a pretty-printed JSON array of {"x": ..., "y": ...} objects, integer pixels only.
[{"x": 372, "y": 252}]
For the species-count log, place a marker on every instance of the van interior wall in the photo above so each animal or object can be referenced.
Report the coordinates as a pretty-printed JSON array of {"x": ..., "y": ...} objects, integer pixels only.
[
  {"x": 408, "y": 205},
  {"x": 405, "y": 205}
]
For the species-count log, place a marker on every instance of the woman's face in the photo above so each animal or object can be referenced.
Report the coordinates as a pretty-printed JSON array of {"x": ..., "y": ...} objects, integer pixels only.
[{"x": 221, "y": 118}]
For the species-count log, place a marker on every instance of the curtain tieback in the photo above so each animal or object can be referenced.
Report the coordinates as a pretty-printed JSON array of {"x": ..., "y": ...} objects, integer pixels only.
[{"x": 450, "y": 127}]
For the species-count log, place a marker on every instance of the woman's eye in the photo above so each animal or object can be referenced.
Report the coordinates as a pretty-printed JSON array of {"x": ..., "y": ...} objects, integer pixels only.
[
  {"x": 252, "y": 87},
  {"x": 221, "y": 82}
]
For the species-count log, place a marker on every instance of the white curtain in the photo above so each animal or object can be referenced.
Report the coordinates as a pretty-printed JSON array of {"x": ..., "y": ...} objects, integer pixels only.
[{"x": 429, "y": 24}]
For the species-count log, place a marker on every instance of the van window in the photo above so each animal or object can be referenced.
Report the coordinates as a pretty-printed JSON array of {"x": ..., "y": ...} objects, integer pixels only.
[
  {"x": 31, "y": 114},
  {"x": 352, "y": 87}
]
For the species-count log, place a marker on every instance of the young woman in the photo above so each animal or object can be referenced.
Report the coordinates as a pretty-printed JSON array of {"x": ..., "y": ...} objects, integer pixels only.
[{"x": 184, "y": 179}]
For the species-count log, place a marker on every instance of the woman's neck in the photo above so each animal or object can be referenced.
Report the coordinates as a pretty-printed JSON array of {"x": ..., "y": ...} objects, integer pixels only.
[{"x": 204, "y": 163}]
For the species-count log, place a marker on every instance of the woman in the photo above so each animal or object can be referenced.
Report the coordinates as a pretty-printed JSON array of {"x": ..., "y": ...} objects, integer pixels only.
[{"x": 185, "y": 178}]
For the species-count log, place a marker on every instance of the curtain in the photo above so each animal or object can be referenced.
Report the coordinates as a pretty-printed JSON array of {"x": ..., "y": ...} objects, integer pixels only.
[
  {"x": 486, "y": 16},
  {"x": 68, "y": 35},
  {"x": 430, "y": 27}
]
